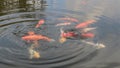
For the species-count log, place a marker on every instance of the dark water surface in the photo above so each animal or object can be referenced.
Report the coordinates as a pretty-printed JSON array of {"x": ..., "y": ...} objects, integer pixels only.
[{"x": 17, "y": 17}]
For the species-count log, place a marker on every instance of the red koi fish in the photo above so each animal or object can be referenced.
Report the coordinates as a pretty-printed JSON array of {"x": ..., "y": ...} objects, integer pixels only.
[
  {"x": 84, "y": 24},
  {"x": 69, "y": 19},
  {"x": 36, "y": 38},
  {"x": 40, "y": 23},
  {"x": 68, "y": 34},
  {"x": 87, "y": 35},
  {"x": 63, "y": 24}
]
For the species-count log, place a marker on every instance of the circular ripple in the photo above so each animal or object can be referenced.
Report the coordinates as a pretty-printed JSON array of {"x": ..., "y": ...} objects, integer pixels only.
[{"x": 14, "y": 52}]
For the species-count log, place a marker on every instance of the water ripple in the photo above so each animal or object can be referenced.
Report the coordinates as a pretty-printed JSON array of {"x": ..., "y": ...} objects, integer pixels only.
[{"x": 17, "y": 24}]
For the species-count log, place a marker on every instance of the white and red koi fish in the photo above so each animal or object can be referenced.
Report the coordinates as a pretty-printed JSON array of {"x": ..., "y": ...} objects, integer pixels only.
[
  {"x": 62, "y": 39},
  {"x": 63, "y": 24},
  {"x": 84, "y": 24},
  {"x": 68, "y": 34},
  {"x": 69, "y": 19},
  {"x": 65, "y": 35},
  {"x": 40, "y": 23}
]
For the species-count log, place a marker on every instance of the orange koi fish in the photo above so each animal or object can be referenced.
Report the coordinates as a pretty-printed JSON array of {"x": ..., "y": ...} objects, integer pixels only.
[
  {"x": 84, "y": 24},
  {"x": 40, "y": 23},
  {"x": 36, "y": 38},
  {"x": 63, "y": 24},
  {"x": 87, "y": 35},
  {"x": 69, "y": 19}
]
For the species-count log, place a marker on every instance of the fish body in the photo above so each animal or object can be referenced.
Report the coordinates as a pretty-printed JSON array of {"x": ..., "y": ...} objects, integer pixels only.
[
  {"x": 100, "y": 45},
  {"x": 84, "y": 24},
  {"x": 63, "y": 24},
  {"x": 35, "y": 38},
  {"x": 88, "y": 29},
  {"x": 68, "y": 34},
  {"x": 40, "y": 23},
  {"x": 97, "y": 45},
  {"x": 33, "y": 53},
  {"x": 87, "y": 35},
  {"x": 69, "y": 19},
  {"x": 90, "y": 21}
]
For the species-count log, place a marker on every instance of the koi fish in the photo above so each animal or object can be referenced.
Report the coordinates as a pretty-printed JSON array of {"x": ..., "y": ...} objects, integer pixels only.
[
  {"x": 87, "y": 35},
  {"x": 33, "y": 53},
  {"x": 63, "y": 24},
  {"x": 97, "y": 45},
  {"x": 67, "y": 34},
  {"x": 40, "y": 23},
  {"x": 64, "y": 36},
  {"x": 88, "y": 29},
  {"x": 36, "y": 38},
  {"x": 84, "y": 24},
  {"x": 69, "y": 19},
  {"x": 62, "y": 39}
]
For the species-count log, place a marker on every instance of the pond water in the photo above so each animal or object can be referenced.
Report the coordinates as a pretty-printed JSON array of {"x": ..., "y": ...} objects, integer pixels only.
[{"x": 17, "y": 17}]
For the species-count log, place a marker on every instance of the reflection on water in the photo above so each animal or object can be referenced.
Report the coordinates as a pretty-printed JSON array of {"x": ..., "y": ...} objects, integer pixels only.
[{"x": 17, "y": 17}]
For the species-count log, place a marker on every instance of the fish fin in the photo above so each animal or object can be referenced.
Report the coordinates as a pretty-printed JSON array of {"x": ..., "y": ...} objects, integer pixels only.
[
  {"x": 62, "y": 40},
  {"x": 61, "y": 30},
  {"x": 100, "y": 45}
]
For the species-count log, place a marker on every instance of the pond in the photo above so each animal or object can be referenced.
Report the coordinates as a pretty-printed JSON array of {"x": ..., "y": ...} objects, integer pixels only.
[{"x": 36, "y": 26}]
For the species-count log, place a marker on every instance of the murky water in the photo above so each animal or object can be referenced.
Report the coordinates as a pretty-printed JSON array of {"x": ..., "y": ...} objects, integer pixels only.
[{"x": 17, "y": 17}]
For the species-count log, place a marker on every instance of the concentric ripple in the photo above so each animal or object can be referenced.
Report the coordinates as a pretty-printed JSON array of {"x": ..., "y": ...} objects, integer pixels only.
[{"x": 14, "y": 51}]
